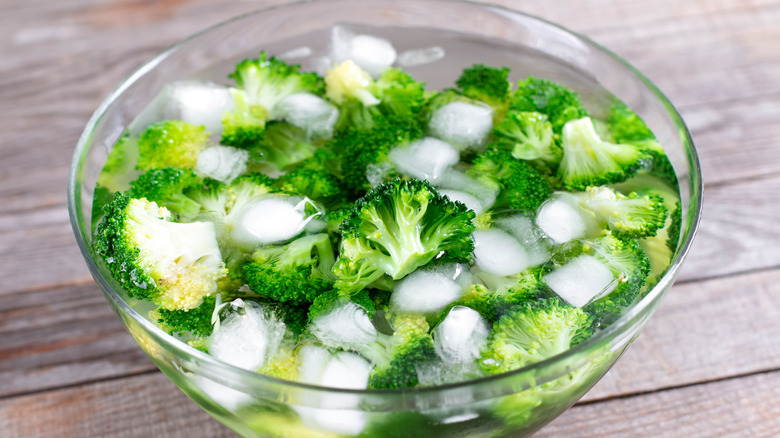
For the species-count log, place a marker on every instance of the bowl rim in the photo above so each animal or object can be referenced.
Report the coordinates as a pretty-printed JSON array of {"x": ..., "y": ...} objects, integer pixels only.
[{"x": 622, "y": 324}]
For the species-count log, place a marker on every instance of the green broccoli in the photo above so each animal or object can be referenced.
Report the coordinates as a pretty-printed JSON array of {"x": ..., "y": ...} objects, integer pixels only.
[
  {"x": 171, "y": 143},
  {"x": 175, "y": 265},
  {"x": 365, "y": 160},
  {"x": 395, "y": 358},
  {"x": 283, "y": 146},
  {"x": 521, "y": 187},
  {"x": 560, "y": 104},
  {"x": 631, "y": 216},
  {"x": 295, "y": 273},
  {"x": 509, "y": 292},
  {"x": 487, "y": 84},
  {"x": 260, "y": 84},
  {"x": 317, "y": 179},
  {"x": 590, "y": 161},
  {"x": 398, "y": 227},
  {"x": 195, "y": 321},
  {"x": 529, "y": 136},
  {"x": 625, "y": 126},
  {"x": 534, "y": 332},
  {"x": 166, "y": 187}
]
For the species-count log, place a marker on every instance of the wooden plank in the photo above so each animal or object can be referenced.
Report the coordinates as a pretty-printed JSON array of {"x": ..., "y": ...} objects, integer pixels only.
[
  {"x": 743, "y": 407},
  {"x": 702, "y": 331},
  {"x": 148, "y": 405},
  {"x": 60, "y": 337}
]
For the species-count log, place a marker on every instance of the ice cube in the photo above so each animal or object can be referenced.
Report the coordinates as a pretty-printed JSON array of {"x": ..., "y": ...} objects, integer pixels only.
[
  {"x": 469, "y": 201},
  {"x": 424, "y": 292},
  {"x": 499, "y": 253},
  {"x": 415, "y": 57},
  {"x": 199, "y": 103},
  {"x": 371, "y": 53},
  {"x": 426, "y": 158},
  {"x": 346, "y": 325},
  {"x": 461, "y": 124},
  {"x": 562, "y": 219},
  {"x": 270, "y": 220},
  {"x": 347, "y": 371},
  {"x": 522, "y": 228},
  {"x": 456, "y": 180},
  {"x": 461, "y": 335},
  {"x": 581, "y": 280},
  {"x": 313, "y": 360},
  {"x": 248, "y": 337},
  {"x": 309, "y": 112},
  {"x": 223, "y": 163}
]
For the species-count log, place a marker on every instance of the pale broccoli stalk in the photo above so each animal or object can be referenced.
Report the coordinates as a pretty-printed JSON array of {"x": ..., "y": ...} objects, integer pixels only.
[
  {"x": 590, "y": 161},
  {"x": 174, "y": 265}
]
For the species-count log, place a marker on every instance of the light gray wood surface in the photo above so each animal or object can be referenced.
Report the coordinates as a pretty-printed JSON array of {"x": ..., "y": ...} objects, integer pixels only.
[{"x": 707, "y": 364}]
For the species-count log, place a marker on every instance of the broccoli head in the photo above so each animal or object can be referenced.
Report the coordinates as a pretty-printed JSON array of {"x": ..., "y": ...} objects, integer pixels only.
[
  {"x": 295, "y": 273},
  {"x": 195, "y": 321},
  {"x": 560, "y": 104},
  {"x": 175, "y": 265},
  {"x": 507, "y": 293},
  {"x": 534, "y": 332},
  {"x": 283, "y": 146},
  {"x": 166, "y": 187},
  {"x": 398, "y": 227},
  {"x": 521, "y": 187},
  {"x": 395, "y": 359},
  {"x": 588, "y": 160},
  {"x": 244, "y": 126},
  {"x": 629, "y": 216},
  {"x": 529, "y": 136},
  {"x": 171, "y": 143},
  {"x": 317, "y": 179},
  {"x": 487, "y": 84}
]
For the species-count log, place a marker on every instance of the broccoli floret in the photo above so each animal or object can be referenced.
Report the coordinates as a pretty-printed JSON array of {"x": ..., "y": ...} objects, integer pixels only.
[
  {"x": 488, "y": 84},
  {"x": 120, "y": 166},
  {"x": 174, "y": 265},
  {"x": 283, "y": 146},
  {"x": 631, "y": 216},
  {"x": 295, "y": 273},
  {"x": 590, "y": 161},
  {"x": 522, "y": 187},
  {"x": 529, "y": 136},
  {"x": 631, "y": 267},
  {"x": 625, "y": 126},
  {"x": 534, "y": 332},
  {"x": 398, "y": 227},
  {"x": 508, "y": 292},
  {"x": 195, "y": 321},
  {"x": 363, "y": 102},
  {"x": 317, "y": 179},
  {"x": 166, "y": 187},
  {"x": 395, "y": 358},
  {"x": 674, "y": 228},
  {"x": 559, "y": 103},
  {"x": 365, "y": 161},
  {"x": 171, "y": 143},
  {"x": 261, "y": 84},
  {"x": 244, "y": 126}
]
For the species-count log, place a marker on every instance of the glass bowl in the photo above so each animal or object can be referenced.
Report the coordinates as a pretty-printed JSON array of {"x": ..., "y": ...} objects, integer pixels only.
[{"x": 512, "y": 404}]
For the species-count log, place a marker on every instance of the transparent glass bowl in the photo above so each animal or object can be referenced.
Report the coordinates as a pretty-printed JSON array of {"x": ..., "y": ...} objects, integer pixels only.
[{"x": 512, "y": 404}]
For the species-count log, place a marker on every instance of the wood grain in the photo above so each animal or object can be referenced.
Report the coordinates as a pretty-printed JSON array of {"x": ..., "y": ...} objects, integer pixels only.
[{"x": 744, "y": 407}]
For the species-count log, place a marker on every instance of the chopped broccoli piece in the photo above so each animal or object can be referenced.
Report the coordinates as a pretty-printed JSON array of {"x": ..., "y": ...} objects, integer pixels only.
[
  {"x": 166, "y": 187},
  {"x": 590, "y": 161},
  {"x": 510, "y": 292},
  {"x": 396, "y": 360},
  {"x": 195, "y": 321},
  {"x": 244, "y": 126},
  {"x": 534, "y": 332},
  {"x": 172, "y": 264},
  {"x": 529, "y": 136},
  {"x": 171, "y": 143},
  {"x": 560, "y": 104},
  {"x": 398, "y": 227},
  {"x": 283, "y": 145},
  {"x": 296, "y": 272},
  {"x": 632, "y": 216},
  {"x": 522, "y": 187},
  {"x": 674, "y": 228},
  {"x": 488, "y": 84},
  {"x": 317, "y": 179},
  {"x": 365, "y": 152}
]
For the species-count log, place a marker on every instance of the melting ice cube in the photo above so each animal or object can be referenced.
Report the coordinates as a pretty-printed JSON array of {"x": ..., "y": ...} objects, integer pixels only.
[
  {"x": 462, "y": 125},
  {"x": 581, "y": 280},
  {"x": 223, "y": 163},
  {"x": 461, "y": 335}
]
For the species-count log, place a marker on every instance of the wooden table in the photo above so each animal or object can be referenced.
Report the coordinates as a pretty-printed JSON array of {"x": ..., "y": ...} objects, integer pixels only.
[{"x": 708, "y": 363}]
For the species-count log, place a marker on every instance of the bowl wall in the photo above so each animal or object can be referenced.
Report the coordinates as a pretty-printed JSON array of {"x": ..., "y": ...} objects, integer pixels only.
[{"x": 514, "y": 404}]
